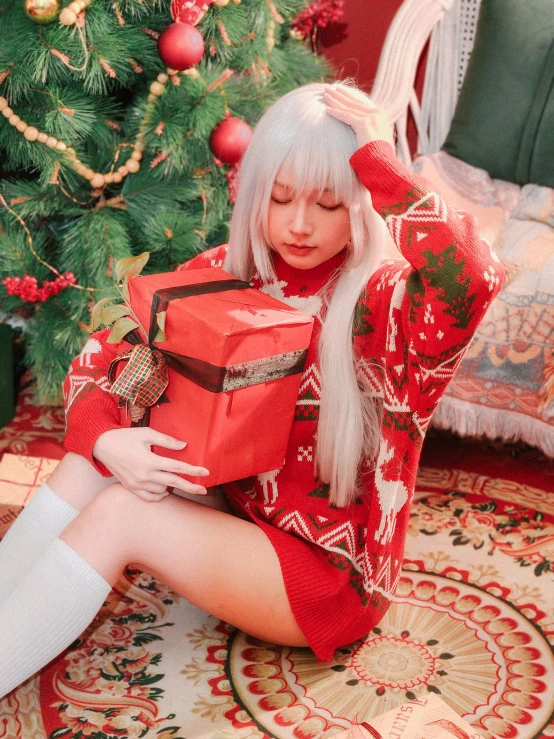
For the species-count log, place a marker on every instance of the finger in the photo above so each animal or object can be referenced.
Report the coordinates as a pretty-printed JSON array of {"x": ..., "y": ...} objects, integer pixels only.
[
  {"x": 343, "y": 116},
  {"x": 187, "y": 486},
  {"x": 182, "y": 468},
  {"x": 156, "y": 486},
  {"x": 164, "y": 440},
  {"x": 359, "y": 113},
  {"x": 150, "y": 497},
  {"x": 351, "y": 98}
]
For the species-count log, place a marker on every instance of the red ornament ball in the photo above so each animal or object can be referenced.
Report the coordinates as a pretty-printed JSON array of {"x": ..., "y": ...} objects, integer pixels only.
[
  {"x": 229, "y": 140},
  {"x": 180, "y": 46}
]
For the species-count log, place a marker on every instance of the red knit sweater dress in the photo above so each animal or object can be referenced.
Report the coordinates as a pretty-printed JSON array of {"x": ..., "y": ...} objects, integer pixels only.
[{"x": 413, "y": 323}]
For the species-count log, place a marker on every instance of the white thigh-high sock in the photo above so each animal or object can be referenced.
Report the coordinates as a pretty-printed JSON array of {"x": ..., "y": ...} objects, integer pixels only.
[
  {"x": 47, "y": 611},
  {"x": 41, "y": 521}
]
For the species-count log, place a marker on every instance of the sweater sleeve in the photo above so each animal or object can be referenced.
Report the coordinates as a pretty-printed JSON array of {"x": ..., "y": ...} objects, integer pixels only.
[
  {"x": 436, "y": 302},
  {"x": 89, "y": 408}
]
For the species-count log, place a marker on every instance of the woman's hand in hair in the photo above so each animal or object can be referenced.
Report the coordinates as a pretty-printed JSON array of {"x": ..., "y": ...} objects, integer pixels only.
[
  {"x": 128, "y": 455},
  {"x": 355, "y": 109}
]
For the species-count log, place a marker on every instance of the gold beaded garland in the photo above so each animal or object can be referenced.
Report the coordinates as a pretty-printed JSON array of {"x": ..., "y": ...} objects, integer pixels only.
[
  {"x": 156, "y": 88},
  {"x": 97, "y": 179},
  {"x": 68, "y": 16},
  {"x": 31, "y": 133}
]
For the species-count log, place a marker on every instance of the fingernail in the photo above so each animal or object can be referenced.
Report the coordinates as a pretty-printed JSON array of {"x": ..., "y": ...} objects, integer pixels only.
[
  {"x": 204, "y": 471},
  {"x": 201, "y": 491}
]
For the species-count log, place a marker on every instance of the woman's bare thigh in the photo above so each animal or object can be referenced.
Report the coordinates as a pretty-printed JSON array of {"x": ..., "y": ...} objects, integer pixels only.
[{"x": 220, "y": 563}]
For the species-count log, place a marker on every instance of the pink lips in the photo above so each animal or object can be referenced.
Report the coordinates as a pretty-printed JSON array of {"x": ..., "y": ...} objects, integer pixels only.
[{"x": 299, "y": 248}]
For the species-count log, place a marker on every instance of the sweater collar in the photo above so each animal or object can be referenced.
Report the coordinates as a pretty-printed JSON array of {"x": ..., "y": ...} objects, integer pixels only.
[{"x": 307, "y": 280}]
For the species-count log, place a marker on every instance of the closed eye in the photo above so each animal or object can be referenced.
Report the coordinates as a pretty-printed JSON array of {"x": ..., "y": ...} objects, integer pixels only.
[
  {"x": 280, "y": 202},
  {"x": 330, "y": 207}
]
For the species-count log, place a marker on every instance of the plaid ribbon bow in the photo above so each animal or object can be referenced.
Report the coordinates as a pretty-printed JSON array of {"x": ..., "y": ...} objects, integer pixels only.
[{"x": 143, "y": 380}]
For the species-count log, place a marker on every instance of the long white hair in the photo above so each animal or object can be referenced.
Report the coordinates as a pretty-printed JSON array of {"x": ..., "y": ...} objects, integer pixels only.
[{"x": 297, "y": 133}]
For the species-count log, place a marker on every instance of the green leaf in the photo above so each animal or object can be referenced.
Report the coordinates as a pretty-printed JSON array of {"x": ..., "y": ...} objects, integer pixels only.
[
  {"x": 111, "y": 313},
  {"x": 141, "y": 639},
  {"x": 97, "y": 311},
  {"x": 120, "y": 329},
  {"x": 64, "y": 731},
  {"x": 131, "y": 266},
  {"x": 147, "y": 680}
]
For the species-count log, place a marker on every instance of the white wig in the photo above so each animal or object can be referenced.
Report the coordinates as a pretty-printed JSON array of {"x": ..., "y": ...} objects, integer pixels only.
[{"x": 297, "y": 133}]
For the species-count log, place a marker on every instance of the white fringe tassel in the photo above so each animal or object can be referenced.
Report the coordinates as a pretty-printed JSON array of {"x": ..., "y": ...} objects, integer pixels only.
[{"x": 469, "y": 419}]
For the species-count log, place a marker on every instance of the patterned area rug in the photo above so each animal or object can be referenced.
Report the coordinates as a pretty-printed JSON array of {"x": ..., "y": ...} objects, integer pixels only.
[{"x": 472, "y": 621}]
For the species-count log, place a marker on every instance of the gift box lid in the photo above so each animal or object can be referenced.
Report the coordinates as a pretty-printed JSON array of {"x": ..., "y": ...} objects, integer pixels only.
[{"x": 215, "y": 324}]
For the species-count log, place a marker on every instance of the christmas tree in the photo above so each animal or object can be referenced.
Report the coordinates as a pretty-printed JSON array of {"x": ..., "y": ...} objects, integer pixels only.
[{"x": 122, "y": 125}]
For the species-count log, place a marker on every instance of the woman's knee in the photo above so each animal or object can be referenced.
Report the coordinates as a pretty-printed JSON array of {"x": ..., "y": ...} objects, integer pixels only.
[
  {"x": 76, "y": 481},
  {"x": 112, "y": 506},
  {"x": 103, "y": 533}
]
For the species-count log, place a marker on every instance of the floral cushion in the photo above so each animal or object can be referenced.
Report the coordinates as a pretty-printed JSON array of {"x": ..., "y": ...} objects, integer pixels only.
[{"x": 504, "y": 386}]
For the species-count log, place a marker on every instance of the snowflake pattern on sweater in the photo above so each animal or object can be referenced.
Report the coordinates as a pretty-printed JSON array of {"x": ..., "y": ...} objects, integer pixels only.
[{"x": 412, "y": 325}]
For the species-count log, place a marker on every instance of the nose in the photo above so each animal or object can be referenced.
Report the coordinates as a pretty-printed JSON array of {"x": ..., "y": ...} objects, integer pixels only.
[{"x": 300, "y": 224}]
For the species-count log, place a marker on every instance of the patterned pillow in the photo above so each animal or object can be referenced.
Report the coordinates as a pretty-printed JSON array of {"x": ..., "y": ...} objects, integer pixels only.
[{"x": 504, "y": 120}]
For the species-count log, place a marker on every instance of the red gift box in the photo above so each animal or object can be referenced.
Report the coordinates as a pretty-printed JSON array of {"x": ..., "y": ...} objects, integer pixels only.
[{"x": 235, "y": 357}]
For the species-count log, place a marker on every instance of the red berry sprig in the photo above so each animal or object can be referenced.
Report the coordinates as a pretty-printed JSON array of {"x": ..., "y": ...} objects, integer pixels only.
[
  {"x": 28, "y": 290},
  {"x": 318, "y": 14}
]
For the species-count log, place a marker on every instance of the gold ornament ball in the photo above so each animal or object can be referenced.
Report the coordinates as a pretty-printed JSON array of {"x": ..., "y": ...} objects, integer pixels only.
[
  {"x": 7, "y": 112},
  {"x": 117, "y": 177},
  {"x": 42, "y": 11},
  {"x": 3, "y": 103},
  {"x": 221, "y": 3},
  {"x": 13, "y": 119},
  {"x": 42, "y": 137},
  {"x": 133, "y": 166},
  {"x": 22, "y": 126}
]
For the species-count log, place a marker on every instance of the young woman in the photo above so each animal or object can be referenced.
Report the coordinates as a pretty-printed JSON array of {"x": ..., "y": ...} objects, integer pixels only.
[{"x": 310, "y": 554}]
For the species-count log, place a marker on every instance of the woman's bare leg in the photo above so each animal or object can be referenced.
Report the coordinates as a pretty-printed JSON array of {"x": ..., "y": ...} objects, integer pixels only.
[
  {"x": 76, "y": 481},
  {"x": 220, "y": 563}
]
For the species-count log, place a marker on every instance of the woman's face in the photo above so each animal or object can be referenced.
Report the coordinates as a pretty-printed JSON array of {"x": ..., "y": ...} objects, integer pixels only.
[{"x": 306, "y": 228}]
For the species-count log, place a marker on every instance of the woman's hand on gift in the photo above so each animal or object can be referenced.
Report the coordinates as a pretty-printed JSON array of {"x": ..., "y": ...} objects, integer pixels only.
[
  {"x": 368, "y": 122},
  {"x": 128, "y": 455}
]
